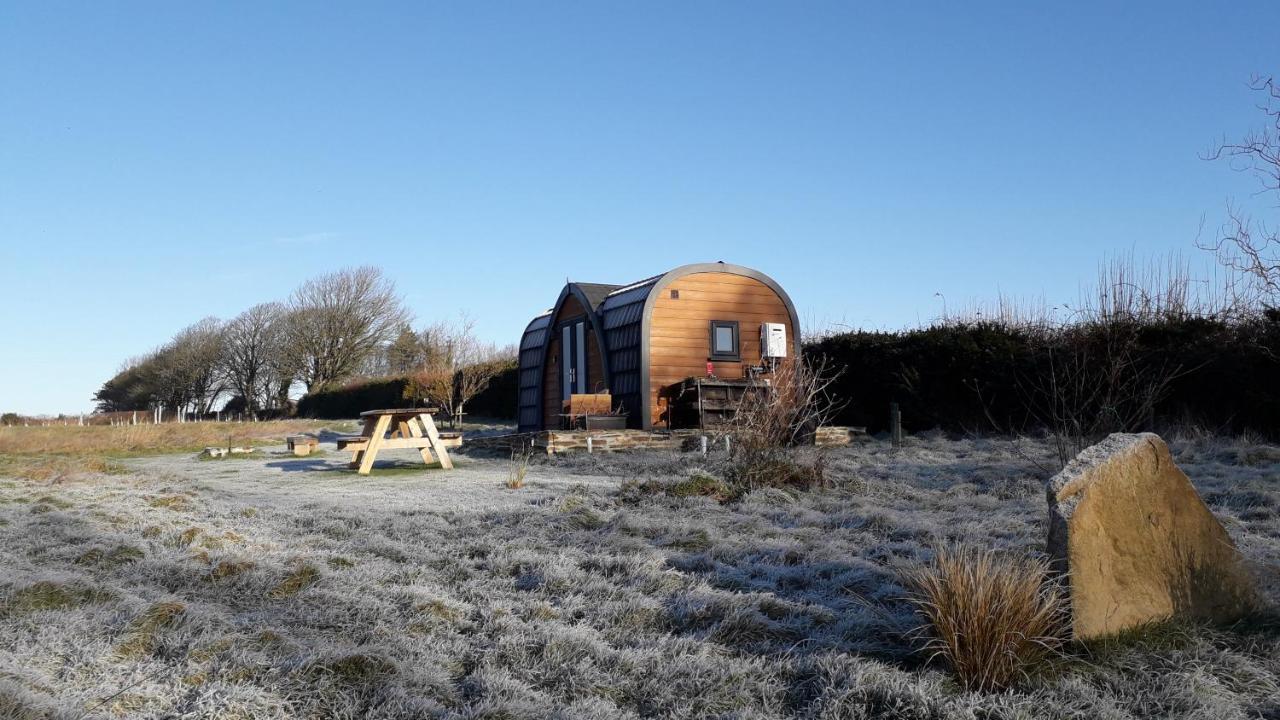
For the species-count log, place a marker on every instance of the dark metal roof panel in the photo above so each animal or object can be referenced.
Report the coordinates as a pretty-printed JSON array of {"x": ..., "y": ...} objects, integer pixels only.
[
  {"x": 621, "y": 314},
  {"x": 595, "y": 293},
  {"x": 649, "y": 281},
  {"x": 531, "y": 344},
  {"x": 631, "y": 294}
]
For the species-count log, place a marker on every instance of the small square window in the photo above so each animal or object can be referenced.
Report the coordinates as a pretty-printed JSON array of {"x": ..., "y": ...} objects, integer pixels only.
[
  {"x": 724, "y": 340},
  {"x": 675, "y": 294}
]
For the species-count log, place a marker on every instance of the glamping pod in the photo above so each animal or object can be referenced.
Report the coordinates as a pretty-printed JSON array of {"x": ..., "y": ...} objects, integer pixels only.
[{"x": 641, "y": 343}]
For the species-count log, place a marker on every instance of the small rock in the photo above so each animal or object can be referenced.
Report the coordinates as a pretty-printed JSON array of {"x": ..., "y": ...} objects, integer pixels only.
[{"x": 1138, "y": 543}]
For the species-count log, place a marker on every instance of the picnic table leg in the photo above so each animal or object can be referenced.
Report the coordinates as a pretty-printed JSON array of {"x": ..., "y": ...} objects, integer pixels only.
[
  {"x": 404, "y": 428},
  {"x": 357, "y": 455},
  {"x": 433, "y": 436},
  {"x": 375, "y": 442},
  {"x": 415, "y": 429}
]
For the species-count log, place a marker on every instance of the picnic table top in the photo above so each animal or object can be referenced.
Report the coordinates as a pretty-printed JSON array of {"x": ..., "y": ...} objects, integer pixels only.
[{"x": 402, "y": 411}]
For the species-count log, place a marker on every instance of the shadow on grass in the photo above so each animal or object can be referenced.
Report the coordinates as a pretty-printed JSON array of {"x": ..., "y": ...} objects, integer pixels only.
[{"x": 381, "y": 467}]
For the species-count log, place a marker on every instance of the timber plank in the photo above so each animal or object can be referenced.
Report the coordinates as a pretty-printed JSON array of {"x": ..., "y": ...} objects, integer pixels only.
[
  {"x": 728, "y": 303},
  {"x": 699, "y": 292},
  {"x": 704, "y": 314}
]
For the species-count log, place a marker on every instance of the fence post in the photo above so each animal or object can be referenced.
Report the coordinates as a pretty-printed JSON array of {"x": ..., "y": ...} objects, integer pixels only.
[
  {"x": 703, "y": 442},
  {"x": 895, "y": 424}
]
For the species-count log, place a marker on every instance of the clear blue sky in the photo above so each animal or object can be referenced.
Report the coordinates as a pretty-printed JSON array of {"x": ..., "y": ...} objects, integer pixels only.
[{"x": 161, "y": 162}]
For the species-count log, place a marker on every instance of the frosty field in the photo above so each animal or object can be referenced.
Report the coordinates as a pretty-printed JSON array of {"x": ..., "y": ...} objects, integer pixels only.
[{"x": 284, "y": 587}]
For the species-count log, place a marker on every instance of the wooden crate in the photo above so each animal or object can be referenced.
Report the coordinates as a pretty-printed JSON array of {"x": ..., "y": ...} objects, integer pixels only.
[
  {"x": 709, "y": 402},
  {"x": 581, "y": 406},
  {"x": 589, "y": 404}
]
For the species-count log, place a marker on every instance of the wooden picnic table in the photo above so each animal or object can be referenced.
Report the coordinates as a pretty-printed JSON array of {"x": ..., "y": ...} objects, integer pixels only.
[{"x": 409, "y": 428}]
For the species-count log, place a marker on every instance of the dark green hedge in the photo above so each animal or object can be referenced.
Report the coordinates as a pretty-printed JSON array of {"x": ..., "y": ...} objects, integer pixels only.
[
  {"x": 352, "y": 399},
  {"x": 348, "y": 401},
  {"x": 983, "y": 376},
  {"x": 500, "y": 399}
]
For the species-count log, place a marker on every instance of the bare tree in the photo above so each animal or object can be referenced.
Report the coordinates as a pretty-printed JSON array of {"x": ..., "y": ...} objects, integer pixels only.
[
  {"x": 249, "y": 340},
  {"x": 776, "y": 416},
  {"x": 281, "y": 364},
  {"x": 131, "y": 388},
  {"x": 1100, "y": 380},
  {"x": 458, "y": 366},
  {"x": 337, "y": 321},
  {"x": 1250, "y": 247},
  {"x": 184, "y": 373}
]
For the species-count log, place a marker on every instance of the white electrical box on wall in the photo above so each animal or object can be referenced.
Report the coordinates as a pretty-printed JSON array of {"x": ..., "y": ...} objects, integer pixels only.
[{"x": 773, "y": 340}]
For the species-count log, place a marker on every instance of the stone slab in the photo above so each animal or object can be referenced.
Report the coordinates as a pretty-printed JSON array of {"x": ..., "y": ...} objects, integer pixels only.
[{"x": 1137, "y": 542}]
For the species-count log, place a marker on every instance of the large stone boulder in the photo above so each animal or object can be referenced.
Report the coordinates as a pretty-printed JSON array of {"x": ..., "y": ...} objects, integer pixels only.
[{"x": 1137, "y": 541}]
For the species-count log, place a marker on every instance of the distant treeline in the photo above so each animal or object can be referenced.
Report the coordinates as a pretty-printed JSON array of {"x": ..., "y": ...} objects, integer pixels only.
[
  {"x": 1114, "y": 373},
  {"x": 332, "y": 331}
]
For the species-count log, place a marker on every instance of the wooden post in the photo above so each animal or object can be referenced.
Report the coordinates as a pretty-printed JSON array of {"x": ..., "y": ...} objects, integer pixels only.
[
  {"x": 704, "y": 444},
  {"x": 895, "y": 424}
]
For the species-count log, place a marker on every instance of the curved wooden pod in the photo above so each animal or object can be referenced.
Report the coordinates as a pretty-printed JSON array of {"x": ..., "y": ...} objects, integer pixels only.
[
  {"x": 642, "y": 338},
  {"x": 676, "y": 326}
]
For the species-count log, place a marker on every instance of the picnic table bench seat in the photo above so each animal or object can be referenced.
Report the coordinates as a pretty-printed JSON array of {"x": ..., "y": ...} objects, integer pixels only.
[
  {"x": 353, "y": 442},
  {"x": 346, "y": 441}
]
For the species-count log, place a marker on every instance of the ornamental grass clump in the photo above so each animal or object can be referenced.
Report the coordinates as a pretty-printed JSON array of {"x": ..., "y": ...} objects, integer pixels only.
[
  {"x": 519, "y": 467},
  {"x": 993, "y": 618}
]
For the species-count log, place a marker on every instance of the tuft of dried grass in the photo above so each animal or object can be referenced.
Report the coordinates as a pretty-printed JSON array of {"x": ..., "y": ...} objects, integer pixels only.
[
  {"x": 519, "y": 467},
  {"x": 177, "y": 503},
  {"x": 142, "y": 636},
  {"x": 993, "y": 618},
  {"x": 115, "y": 557},
  {"x": 188, "y": 536},
  {"x": 230, "y": 568},
  {"x": 303, "y": 576},
  {"x": 46, "y": 595},
  {"x": 700, "y": 483},
  {"x": 356, "y": 669}
]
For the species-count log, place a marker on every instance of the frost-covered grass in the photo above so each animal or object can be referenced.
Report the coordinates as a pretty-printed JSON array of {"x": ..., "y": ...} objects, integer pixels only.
[{"x": 289, "y": 587}]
